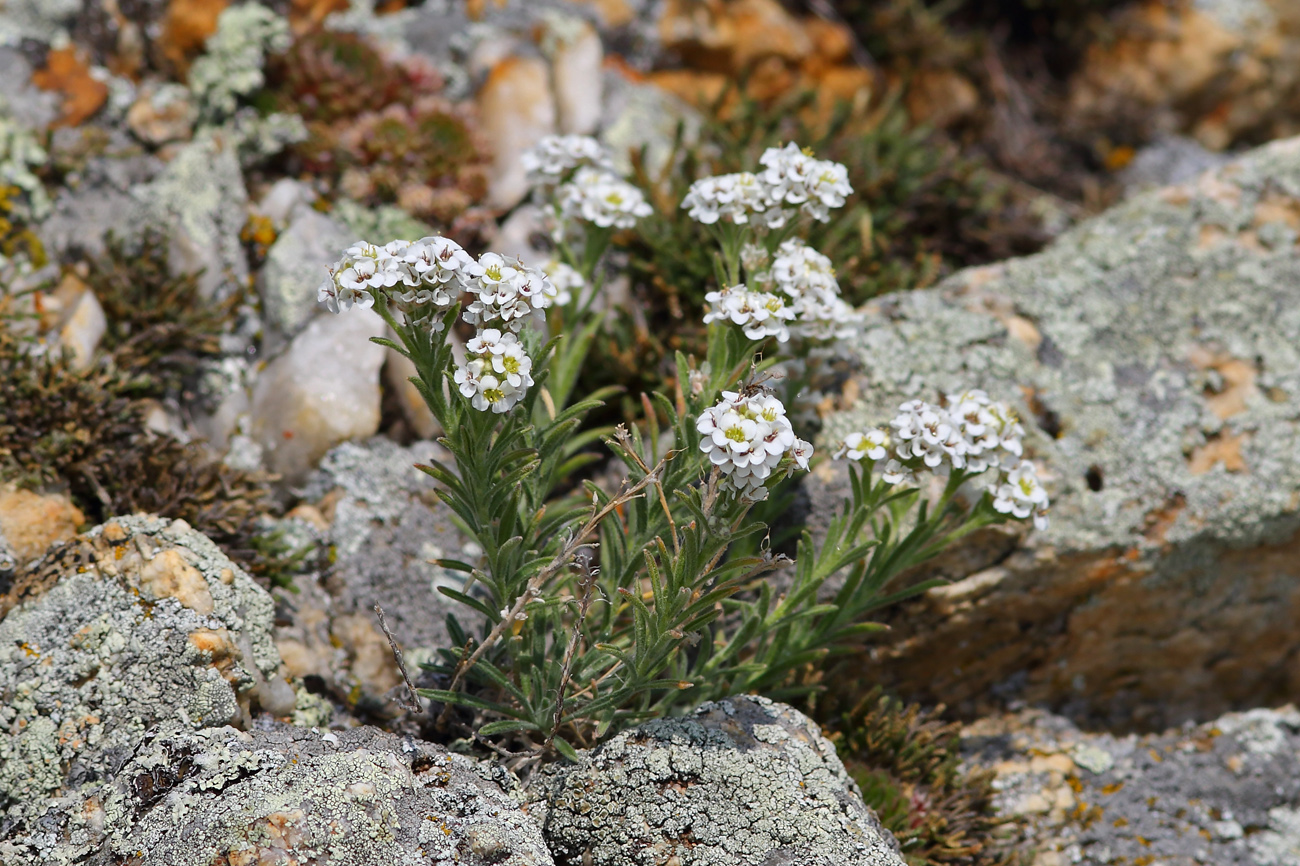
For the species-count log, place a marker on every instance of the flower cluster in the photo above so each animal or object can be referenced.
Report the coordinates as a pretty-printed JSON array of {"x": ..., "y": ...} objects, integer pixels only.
[
  {"x": 761, "y": 314},
  {"x": 496, "y": 373},
  {"x": 551, "y": 159},
  {"x": 791, "y": 180},
  {"x": 568, "y": 282},
  {"x": 746, "y": 435},
  {"x": 504, "y": 289},
  {"x": 602, "y": 199},
  {"x": 796, "y": 177},
  {"x": 426, "y": 277},
  {"x": 972, "y": 434},
  {"x": 575, "y": 174},
  {"x": 814, "y": 311}
]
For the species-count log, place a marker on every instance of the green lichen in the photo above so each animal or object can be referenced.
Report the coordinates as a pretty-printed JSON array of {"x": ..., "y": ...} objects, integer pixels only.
[{"x": 231, "y": 67}]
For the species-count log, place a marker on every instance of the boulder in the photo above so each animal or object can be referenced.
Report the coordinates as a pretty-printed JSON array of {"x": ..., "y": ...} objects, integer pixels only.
[
  {"x": 1225, "y": 792},
  {"x": 1154, "y": 352},
  {"x": 282, "y": 794},
  {"x": 741, "y": 781},
  {"x": 138, "y": 622}
]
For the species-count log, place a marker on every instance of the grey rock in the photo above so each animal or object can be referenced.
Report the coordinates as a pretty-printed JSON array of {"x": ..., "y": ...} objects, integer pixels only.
[
  {"x": 286, "y": 794},
  {"x": 138, "y": 622},
  {"x": 387, "y": 526},
  {"x": 1155, "y": 353},
  {"x": 24, "y": 101},
  {"x": 1223, "y": 793},
  {"x": 639, "y": 115},
  {"x": 92, "y": 203},
  {"x": 200, "y": 200},
  {"x": 1169, "y": 160},
  {"x": 741, "y": 782},
  {"x": 295, "y": 265}
]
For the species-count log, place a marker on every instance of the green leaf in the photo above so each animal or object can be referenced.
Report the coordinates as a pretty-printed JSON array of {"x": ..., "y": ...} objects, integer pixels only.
[
  {"x": 506, "y": 726},
  {"x": 566, "y": 750}
]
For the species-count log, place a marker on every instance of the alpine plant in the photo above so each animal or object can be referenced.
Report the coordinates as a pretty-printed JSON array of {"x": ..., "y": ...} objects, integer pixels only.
[{"x": 599, "y": 597}]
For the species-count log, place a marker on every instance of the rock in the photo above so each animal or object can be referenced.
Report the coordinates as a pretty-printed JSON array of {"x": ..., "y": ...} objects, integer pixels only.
[
  {"x": 162, "y": 113},
  {"x": 295, "y": 266},
  {"x": 1217, "y": 69},
  {"x": 384, "y": 527},
  {"x": 92, "y": 202},
  {"x": 30, "y": 522},
  {"x": 283, "y": 198},
  {"x": 1183, "y": 796},
  {"x": 639, "y": 114},
  {"x": 289, "y": 795},
  {"x": 199, "y": 199},
  {"x": 744, "y": 780},
  {"x": 82, "y": 327},
  {"x": 576, "y": 55},
  {"x": 1153, "y": 352},
  {"x": 732, "y": 36},
  {"x": 1167, "y": 161},
  {"x": 25, "y": 102},
  {"x": 138, "y": 622},
  {"x": 518, "y": 108},
  {"x": 323, "y": 390}
]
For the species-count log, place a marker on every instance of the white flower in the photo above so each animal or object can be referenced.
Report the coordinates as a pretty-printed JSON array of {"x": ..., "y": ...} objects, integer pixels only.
[
  {"x": 988, "y": 428},
  {"x": 1021, "y": 495},
  {"x": 795, "y": 177},
  {"x": 746, "y": 436},
  {"x": 872, "y": 444},
  {"x": 802, "y": 452},
  {"x": 601, "y": 198},
  {"x": 568, "y": 282},
  {"x": 485, "y": 389},
  {"x": 734, "y": 198},
  {"x": 505, "y": 357},
  {"x": 363, "y": 269},
  {"x": 760, "y": 314},
  {"x": 800, "y": 271},
  {"x": 896, "y": 473},
  {"x": 505, "y": 289},
  {"x": 547, "y": 162}
]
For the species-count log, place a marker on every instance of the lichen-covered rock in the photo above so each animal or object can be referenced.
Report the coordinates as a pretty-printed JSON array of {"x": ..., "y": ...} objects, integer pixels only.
[
  {"x": 200, "y": 201},
  {"x": 1226, "y": 792},
  {"x": 1157, "y": 348},
  {"x": 740, "y": 782},
  {"x": 385, "y": 528},
  {"x": 288, "y": 795},
  {"x": 137, "y": 622},
  {"x": 295, "y": 266}
]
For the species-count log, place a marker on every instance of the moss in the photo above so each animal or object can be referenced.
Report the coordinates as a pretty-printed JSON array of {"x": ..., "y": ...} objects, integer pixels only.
[
  {"x": 160, "y": 328},
  {"x": 86, "y": 431},
  {"x": 908, "y": 764}
]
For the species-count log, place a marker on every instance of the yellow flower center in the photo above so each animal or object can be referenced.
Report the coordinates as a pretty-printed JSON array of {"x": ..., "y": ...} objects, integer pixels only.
[
  {"x": 735, "y": 434},
  {"x": 510, "y": 363},
  {"x": 494, "y": 395}
]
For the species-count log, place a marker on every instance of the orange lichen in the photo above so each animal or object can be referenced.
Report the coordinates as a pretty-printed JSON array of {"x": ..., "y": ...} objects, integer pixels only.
[{"x": 67, "y": 73}]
